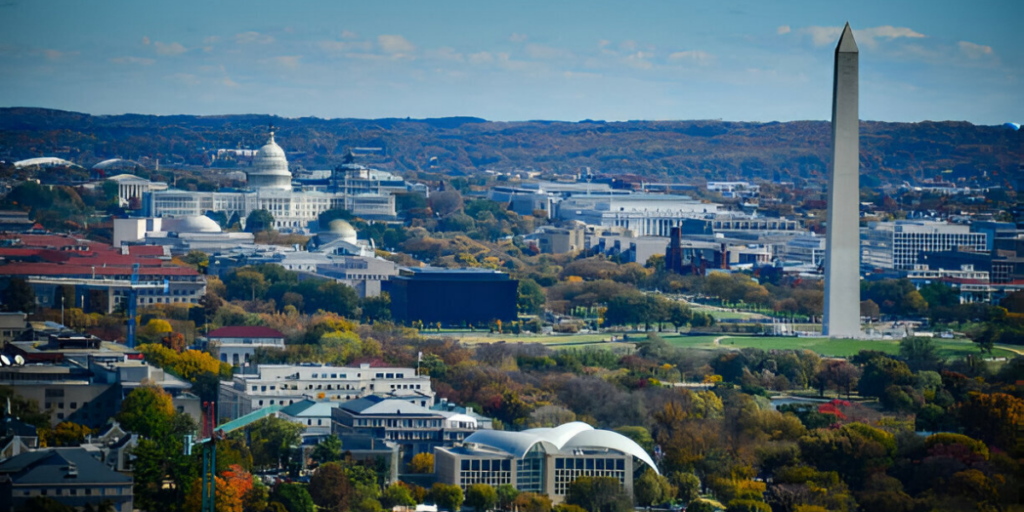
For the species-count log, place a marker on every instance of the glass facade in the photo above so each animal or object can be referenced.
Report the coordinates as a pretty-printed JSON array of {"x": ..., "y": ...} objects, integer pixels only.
[
  {"x": 493, "y": 472},
  {"x": 568, "y": 469},
  {"x": 530, "y": 471}
]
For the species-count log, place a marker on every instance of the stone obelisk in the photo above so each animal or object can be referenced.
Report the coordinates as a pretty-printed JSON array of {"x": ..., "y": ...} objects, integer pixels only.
[{"x": 842, "y": 255}]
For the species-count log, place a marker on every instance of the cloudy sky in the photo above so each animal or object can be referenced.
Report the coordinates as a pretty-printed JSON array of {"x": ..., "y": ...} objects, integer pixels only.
[{"x": 757, "y": 60}]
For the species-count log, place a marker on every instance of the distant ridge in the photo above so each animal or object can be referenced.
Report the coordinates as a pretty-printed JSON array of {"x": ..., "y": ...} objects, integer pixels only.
[{"x": 674, "y": 150}]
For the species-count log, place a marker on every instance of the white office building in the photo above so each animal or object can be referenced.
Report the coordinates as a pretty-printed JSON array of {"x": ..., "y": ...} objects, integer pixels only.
[
  {"x": 281, "y": 384},
  {"x": 896, "y": 245},
  {"x": 643, "y": 214}
]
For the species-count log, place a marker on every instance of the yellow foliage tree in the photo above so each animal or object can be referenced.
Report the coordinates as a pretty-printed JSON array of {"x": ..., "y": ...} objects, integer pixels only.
[{"x": 422, "y": 463}]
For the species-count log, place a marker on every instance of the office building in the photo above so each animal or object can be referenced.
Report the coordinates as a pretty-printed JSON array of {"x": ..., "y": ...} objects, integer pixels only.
[
  {"x": 282, "y": 384},
  {"x": 417, "y": 429},
  {"x": 237, "y": 344},
  {"x": 643, "y": 214},
  {"x": 72, "y": 476},
  {"x": 540, "y": 460},
  {"x": 469, "y": 296},
  {"x": 897, "y": 245},
  {"x": 180, "y": 235},
  {"x": 314, "y": 416}
]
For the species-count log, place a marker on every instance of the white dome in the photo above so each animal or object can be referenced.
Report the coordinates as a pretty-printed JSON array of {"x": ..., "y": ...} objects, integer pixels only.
[
  {"x": 199, "y": 224},
  {"x": 343, "y": 230},
  {"x": 270, "y": 168}
]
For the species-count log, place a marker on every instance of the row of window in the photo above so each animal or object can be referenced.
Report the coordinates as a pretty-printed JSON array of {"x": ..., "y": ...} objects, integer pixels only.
[{"x": 77, "y": 491}]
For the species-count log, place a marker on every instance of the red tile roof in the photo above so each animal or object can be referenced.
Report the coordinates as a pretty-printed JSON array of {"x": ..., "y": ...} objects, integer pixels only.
[
  {"x": 243, "y": 331},
  {"x": 146, "y": 250}
]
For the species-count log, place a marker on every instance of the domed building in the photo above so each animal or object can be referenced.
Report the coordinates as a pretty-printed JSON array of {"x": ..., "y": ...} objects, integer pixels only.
[
  {"x": 295, "y": 207},
  {"x": 270, "y": 168},
  {"x": 343, "y": 231},
  {"x": 197, "y": 224}
]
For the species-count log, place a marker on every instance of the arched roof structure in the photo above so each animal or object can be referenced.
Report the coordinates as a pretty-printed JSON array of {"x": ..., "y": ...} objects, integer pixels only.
[
  {"x": 45, "y": 161},
  {"x": 567, "y": 436},
  {"x": 117, "y": 163}
]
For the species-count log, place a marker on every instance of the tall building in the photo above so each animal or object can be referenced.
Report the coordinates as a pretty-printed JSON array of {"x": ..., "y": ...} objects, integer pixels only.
[
  {"x": 842, "y": 252},
  {"x": 897, "y": 245},
  {"x": 364, "y": 192}
]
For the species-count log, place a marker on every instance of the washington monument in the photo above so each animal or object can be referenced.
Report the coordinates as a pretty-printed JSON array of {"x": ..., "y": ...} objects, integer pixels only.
[{"x": 842, "y": 255}]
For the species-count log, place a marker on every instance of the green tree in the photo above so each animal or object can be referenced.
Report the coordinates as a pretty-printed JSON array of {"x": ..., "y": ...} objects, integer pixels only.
[
  {"x": 919, "y": 353},
  {"x": 259, "y": 221},
  {"x": 532, "y": 502},
  {"x": 147, "y": 411},
  {"x": 294, "y": 498},
  {"x": 329, "y": 488},
  {"x": 18, "y": 296},
  {"x": 272, "y": 440},
  {"x": 447, "y": 497},
  {"x": 481, "y": 497},
  {"x": 699, "y": 505},
  {"x": 328, "y": 450},
  {"x": 377, "y": 309},
  {"x": 748, "y": 506},
  {"x": 506, "y": 496},
  {"x": 397, "y": 495},
  {"x": 687, "y": 486},
  {"x": 599, "y": 494},
  {"x": 43, "y": 504},
  {"x": 880, "y": 372},
  {"x": 531, "y": 296},
  {"x": 246, "y": 284},
  {"x": 651, "y": 489}
]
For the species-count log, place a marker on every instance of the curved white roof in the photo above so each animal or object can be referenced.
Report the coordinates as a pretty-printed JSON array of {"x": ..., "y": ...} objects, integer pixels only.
[
  {"x": 198, "y": 224},
  {"x": 344, "y": 230},
  {"x": 44, "y": 161},
  {"x": 117, "y": 163},
  {"x": 569, "y": 435}
]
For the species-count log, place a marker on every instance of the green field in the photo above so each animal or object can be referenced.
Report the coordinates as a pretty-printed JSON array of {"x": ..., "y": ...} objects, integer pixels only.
[{"x": 822, "y": 346}]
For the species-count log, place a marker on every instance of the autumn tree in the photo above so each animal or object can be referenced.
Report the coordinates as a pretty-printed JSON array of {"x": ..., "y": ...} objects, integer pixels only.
[
  {"x": 330, "y": 488},
  {"x": 995, "y": 418},
  {"x": 652, "y": 489},
  {"x": 422, "y": 463},
  {"x": 532, "y": 502},
  {"x": 447, "y": 497},
  {"x": 599, "y": 494},
  {"x": 147, "y": 411}
]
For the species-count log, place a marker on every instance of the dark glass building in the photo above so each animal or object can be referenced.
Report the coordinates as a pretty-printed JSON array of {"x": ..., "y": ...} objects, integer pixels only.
[{"x": 468, "y": 296}]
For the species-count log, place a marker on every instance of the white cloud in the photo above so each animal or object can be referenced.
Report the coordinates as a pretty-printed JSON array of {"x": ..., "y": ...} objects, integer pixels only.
[
  {"x": 395, "y": 44},
  {"x": 628, "y": 46},
  {"x": 348, "y": 34},
  {"x": 226, "y": 80},
  {"x": 145, "y": 40},
  {"x": 345, "y": 46},
  {"x": 517, "y": 37},
  {"x": 185, "y": 78},
  {"x": 783, "y": 29},
  {"x": 539, "y": 51},
  {"x": 57, "y": 54},
  {"x": 822, "y": 36},
  {"x": 695, "y": 56},
  {"x": 290, "y": 62},
  {"x": 640, "y": 60},
  {"x": 603, "y": 43},
  {"x": 211, "y": 40},
  {"x": 133, "y": 60},
  {"x": 253, "y": 37},
  {"x": 975, "y": 51},
  {"x": 481, "y": 58},
  {"x": 445, "y": 53},
  {"x": 169, "y": 49}
]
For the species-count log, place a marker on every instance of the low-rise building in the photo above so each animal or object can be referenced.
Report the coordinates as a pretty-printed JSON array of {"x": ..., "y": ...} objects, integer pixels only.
[
  {"x": 237, "y": 344},
  {"x": 315, "y": 416},
  {"x": 468, "y": 296},
  {"x": 414, "y": 427},
  {"x": 540, "y": 460},
  {"x": 282, "y": 384},
  {"x": 71, "y": 476}
]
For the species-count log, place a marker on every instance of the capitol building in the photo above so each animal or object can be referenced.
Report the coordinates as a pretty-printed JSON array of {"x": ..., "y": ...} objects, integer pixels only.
[{"x": 367, "y": 193}]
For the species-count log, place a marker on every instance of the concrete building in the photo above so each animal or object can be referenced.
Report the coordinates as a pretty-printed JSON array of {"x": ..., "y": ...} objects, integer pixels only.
[
  {"x": 314, "y": 416},
  {"x": 417, "y": 429},
  {"x": 842, "y": 253},
  {"x": 365, "y": 193},
  {"x": 643, "y": 214},
  {"x": 237, "y": 344},
  {"x": 897, "y": 245},
  {"x": 540, "y": 460},
  {"x": 469, "y": 296},
  {"x": 281, "y": 384},
  {"x": 131, "y": 188},
  {"x": 71, "y": 476},
  {"x": 181, "y": 235},
  {"x": 12, "y": 325}
]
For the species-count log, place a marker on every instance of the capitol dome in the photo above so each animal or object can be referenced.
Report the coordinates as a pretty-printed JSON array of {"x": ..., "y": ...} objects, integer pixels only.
[
  {"x": 198, "y": 224},
  {"x": 343, "y": 230},
  {"x": 270, "y": 168}
]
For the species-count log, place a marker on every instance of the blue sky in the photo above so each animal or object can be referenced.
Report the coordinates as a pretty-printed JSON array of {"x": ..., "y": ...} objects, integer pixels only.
[{"x": 566, "y": 60}]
